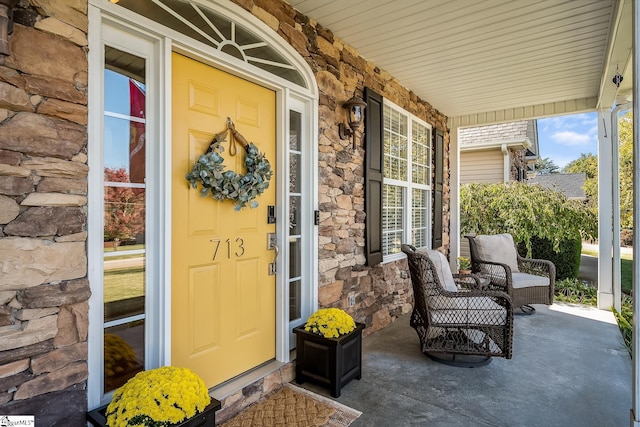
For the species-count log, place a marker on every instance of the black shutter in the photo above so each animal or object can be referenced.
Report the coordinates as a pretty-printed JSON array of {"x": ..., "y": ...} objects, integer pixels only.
[
  {"x": 438, "y": 152},
  {"x": 374, "y": 156}
]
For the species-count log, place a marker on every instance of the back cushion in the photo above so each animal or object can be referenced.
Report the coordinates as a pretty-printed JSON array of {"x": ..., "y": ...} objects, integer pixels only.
[
  {"x": 498, "y": 248},
  {"x": 444, "y": 271}
]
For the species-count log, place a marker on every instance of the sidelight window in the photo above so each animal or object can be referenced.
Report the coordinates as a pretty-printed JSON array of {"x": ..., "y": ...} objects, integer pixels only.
[{"x": 124, "y": 153}]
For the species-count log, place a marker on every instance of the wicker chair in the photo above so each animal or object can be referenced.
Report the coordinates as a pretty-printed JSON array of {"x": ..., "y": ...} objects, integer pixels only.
[
  {"x": 463, "y": 326},
  {"x": 526, "y": 280}
]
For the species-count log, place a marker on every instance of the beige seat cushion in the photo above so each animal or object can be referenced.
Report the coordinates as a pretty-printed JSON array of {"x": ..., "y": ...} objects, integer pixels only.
[
  {"x": 498, "y": 248},
  {"x": 444, "y": 271},
  {"x": 472, "y": 310},
  {"x": 525, "y": 280}
]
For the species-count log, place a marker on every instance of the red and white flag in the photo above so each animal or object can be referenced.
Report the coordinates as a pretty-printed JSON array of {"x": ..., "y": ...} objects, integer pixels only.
[{"x": 137, "y": 134}]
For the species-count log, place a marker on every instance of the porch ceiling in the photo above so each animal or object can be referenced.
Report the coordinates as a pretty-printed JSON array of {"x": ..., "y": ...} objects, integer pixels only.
[{"x": 481, "y": 61}]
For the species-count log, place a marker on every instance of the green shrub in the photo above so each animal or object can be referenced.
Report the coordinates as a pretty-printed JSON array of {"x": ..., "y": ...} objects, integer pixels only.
[
  {"x": 543, "y": 222},
  {"x": 566, "y": 260},
  {"x": 574, "y": 291},
  {"x": 625, "y": 320}
]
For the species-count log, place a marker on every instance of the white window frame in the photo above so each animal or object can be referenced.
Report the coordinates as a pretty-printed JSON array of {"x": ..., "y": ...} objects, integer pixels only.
[
  {"x": 103, "y": 32},
  {"x": 407, "y": 186},
  {"x": 129, "y": 32},
  {"x": 309, "y": 262}
]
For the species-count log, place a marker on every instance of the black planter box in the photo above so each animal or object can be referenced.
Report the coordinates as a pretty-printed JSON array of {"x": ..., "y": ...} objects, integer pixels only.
[
  {"x": 332, "y": 362},
  {"x": 206, "y": 418}
]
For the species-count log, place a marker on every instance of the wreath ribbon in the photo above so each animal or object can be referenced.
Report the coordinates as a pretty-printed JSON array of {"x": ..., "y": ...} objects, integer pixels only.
[
  {"x": 223, "y": 184},
  {"x": 235, "y": 138}
]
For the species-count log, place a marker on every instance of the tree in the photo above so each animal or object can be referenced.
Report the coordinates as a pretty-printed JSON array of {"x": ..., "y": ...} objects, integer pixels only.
[
  {"x": 525, "y": 211},
  {"x": 546, "y": 166},
  {"x": 124, "y": 209},
  {"x": 543, "y": 222},
  {"x": 625, "y": 132},
  {"x": 588, "y": 164}
]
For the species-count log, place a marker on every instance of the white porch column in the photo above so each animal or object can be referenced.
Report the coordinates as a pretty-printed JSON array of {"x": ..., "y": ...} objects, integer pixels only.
[
  {"x": 616, "y": 280},
  {"x": 506, "y": 164},
  {"x": 635, "y": 346},
  {"x": 605, "y": 211},
  {"x": 454, "y": 199},
  {"x": 615, "y": 191}
]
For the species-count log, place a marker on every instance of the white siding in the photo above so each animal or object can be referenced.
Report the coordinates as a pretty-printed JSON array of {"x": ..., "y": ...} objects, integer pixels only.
[
  {"x": 482, "y": 166},
  {"x": 485, "y": 166},
  {"x": 464, "y": 247}
]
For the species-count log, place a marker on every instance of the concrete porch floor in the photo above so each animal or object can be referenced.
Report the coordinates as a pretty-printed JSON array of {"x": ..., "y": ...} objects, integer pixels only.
[{"x": 569, "y": 368}]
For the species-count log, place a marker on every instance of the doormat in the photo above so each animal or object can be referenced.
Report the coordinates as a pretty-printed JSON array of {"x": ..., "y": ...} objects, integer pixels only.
[{"x": 292, "y": 406}]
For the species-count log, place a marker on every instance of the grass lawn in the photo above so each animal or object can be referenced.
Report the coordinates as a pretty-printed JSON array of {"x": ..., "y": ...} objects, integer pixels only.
[
  {"x": 123, "y": 283},
  {"x": 626, "y": 268}
]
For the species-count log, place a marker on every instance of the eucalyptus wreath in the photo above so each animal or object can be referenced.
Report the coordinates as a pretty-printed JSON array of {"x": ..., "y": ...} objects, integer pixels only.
[{"x": 223, "y": 184}]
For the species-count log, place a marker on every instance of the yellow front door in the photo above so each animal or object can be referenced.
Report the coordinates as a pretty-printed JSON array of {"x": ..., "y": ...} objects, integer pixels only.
[{"x": 222, "y": 297}]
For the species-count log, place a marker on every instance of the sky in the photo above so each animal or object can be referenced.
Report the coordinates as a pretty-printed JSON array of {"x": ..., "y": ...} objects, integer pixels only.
[
  {"x": 117, "y": 129},
  {"x": 564, "y": 138}
]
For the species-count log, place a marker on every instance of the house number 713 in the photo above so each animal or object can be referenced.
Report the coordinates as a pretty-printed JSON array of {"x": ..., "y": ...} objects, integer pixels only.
[{"x": 238, "y": 246}]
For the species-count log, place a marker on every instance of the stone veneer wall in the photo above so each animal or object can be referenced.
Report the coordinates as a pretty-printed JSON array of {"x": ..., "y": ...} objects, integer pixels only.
[
  {"x": 43, "y": 188},
  {"x": 43, "y": 169},
  {"x": 383, "y": 292}
]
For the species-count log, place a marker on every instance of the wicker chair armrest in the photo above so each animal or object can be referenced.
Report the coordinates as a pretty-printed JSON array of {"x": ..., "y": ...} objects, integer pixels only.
[
  {"x": 483, "y": 261},
  {"x": 467, "y": 281},
  {"x": 497, "y": 296},
  {"x": 499, "y": 273},
  {"x": 534, "y": 265}
]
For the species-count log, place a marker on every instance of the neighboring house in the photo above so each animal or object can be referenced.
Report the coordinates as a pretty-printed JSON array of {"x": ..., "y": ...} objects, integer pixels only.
[
  {"x": 498, "y": 153},
  {"x": 105, "y": 108},
  {"x": 570, "y": 184}
]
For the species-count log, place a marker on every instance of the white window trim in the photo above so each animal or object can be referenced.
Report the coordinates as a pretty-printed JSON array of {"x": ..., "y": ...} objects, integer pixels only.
[
  {"x": 143, "y": 37},
  {"x": 407, "y": 185},
  {"x": 103, "y": 32},
  {"x": 309, "y": 158}
]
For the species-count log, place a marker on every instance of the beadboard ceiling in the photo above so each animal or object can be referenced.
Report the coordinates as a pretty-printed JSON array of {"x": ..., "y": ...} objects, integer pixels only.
[{"x": 485, "y": 60}]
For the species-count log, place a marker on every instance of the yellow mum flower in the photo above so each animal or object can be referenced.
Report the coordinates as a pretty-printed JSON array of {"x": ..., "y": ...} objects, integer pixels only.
[
  {"x": 166, "y": 395},
  {"x": 118, "y": 355},
  {"x": 330, "y": 323}
]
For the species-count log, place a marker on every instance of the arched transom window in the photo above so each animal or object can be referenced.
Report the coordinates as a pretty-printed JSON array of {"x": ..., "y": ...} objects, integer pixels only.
[{"x": 206, "y": 26}]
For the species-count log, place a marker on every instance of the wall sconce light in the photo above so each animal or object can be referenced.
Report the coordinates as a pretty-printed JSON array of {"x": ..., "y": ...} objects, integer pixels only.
[{"x": 355, "y": 107}]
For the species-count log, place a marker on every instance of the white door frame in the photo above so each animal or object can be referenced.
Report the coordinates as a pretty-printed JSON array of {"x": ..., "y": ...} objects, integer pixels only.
[{"x": 125, "y": 30}]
